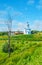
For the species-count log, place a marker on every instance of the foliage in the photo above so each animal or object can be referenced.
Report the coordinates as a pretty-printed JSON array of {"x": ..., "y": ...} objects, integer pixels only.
[
  {"x": 3, "y": 33},
  {"x": 6, "y": 47},
  {"x": 27, "y": 50}
]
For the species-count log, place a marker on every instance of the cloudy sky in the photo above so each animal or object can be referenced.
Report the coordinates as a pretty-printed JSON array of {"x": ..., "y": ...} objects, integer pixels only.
[{"x": 21, "y": 11}]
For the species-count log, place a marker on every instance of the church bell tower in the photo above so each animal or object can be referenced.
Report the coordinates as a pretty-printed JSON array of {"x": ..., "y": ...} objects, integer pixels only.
[{"x": 27, "y": 29}]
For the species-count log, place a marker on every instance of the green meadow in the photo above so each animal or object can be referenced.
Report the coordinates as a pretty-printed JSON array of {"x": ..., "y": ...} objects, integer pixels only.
[{"x": 27, "y": 50}]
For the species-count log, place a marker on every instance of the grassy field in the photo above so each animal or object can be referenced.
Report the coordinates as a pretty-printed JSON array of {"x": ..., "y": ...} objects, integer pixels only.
[{"x": 27, "y": 50}]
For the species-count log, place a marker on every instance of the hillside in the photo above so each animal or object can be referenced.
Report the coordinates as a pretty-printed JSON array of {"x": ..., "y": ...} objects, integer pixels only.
[{"x": 27, "y": 50}]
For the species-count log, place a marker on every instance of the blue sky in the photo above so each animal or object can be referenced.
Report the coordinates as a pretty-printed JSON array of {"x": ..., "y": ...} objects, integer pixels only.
[{"x": 21, "y": 11}]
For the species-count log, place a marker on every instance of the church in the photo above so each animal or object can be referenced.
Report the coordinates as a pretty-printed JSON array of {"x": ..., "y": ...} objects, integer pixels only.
[{"x": 27, "y": 30}]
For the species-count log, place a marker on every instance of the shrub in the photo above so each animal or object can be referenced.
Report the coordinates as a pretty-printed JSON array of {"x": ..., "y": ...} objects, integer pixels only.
[{"x": 6, "y": 47}]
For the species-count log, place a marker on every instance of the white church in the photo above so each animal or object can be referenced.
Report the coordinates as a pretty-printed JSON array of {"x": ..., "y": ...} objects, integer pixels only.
[{"x": 27, "y": 30}]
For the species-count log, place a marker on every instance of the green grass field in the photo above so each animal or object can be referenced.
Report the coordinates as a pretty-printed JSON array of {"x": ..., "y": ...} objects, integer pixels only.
[{"x": 27, "y": 50}]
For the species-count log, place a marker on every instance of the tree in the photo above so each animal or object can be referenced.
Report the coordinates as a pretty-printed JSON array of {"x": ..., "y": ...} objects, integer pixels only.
[{"x": 9, "y": 25}]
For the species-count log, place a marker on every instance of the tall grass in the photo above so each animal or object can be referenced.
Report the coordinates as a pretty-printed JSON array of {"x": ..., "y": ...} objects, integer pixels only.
[{"x": 27, "y": 50}]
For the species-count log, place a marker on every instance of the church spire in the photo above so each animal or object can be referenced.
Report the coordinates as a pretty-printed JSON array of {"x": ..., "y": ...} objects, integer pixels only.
[
  {"x": 27, "y": 29},
  {"x": 27, "y": 24}
]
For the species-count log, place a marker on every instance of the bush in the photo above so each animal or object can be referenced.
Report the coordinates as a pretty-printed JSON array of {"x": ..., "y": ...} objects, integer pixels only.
[{"x": 6, "y": 47}]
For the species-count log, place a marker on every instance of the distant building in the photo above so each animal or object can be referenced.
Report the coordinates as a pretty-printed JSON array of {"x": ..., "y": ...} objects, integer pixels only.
[
  {"x": 12, "y": 33},
  {"x": 18, "y": 32},
  {"x": 27, "y": 30}
]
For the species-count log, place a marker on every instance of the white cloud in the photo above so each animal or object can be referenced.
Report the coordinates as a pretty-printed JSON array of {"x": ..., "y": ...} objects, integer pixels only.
[
  {"x": 1, "y": 21},
  {"x": 37, "y": 25},
  {"x": 30, "y": 2},
  {"x": 10, "y": 10},
  {"x": 13, "y": 12},
  {"x": 40, "y": 2},
  {"x": 39, "y": 6},
  {"x": 17, "y": 25},
  {"x": 17, "y": 13},
  {"x": 20, "y": 26},
  {"x": 3, "y": 13}
]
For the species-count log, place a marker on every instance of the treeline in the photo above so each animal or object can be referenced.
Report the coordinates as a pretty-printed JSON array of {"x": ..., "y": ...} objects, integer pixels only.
[
  {"x": 32, "y": 32},
  {"x": 35, "y": 31},
  {"x": 3, "y": 33}
]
